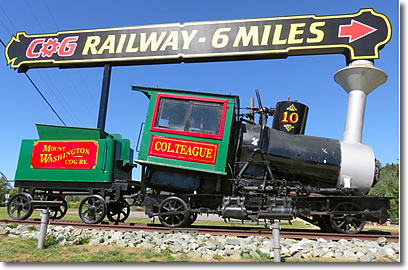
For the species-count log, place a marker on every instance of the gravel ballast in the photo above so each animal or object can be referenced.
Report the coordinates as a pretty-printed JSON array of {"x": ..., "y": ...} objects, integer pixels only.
[{"x": 208, "y": 247}]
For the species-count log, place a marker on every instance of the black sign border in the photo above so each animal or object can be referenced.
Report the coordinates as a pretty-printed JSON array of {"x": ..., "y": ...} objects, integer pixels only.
[{"x": 180, "y": 57}]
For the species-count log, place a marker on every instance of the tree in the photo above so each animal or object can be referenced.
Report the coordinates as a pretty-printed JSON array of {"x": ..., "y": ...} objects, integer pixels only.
[
  {"x": 388, "y": 185},
  {"x": 4, "y": 188}
]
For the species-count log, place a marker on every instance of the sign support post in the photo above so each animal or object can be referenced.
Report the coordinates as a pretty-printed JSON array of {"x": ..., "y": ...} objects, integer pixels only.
[
  {"x": 103, "y": 105},
  {"x": 358, "y": 79}
]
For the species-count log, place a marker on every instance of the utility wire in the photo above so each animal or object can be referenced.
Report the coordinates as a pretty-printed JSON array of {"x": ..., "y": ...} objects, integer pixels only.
[
  {"x": 44, "y": 98},
  {"x": 66, "y": 73},
  {"x": 52, "y": 17},
  {"x": 39, "y": 91}
]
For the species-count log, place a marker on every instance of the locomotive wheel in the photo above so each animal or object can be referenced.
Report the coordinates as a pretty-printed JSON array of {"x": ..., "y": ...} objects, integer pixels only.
[
  {"x": 192, "y": 218},
  {"x": 20, "y": 207},
  {"x": 173, "y": 212},
  {"x": 58, "y": 212},
  {"x": 118, "y": 211},
  {"x": 324, "y": 223},
  {"x": 92, "y": 209},
  {"x": 346, "y": 222}
]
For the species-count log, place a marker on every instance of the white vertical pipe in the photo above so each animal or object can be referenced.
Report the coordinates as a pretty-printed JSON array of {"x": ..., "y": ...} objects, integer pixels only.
[
  {"x": 276, "y": 242},
  {"x": 358, "y": 79},
  {"x": 353, "y": 127}
]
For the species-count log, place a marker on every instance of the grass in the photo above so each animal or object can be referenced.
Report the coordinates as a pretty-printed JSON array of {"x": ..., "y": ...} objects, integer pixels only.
[{"x": 14, "y": 249}]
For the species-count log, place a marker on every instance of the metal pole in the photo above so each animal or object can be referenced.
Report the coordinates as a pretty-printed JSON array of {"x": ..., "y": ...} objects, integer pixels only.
[
  {"x": 359, "y": 79},
  {"x": 276, "y": 242},
  {"x": 251, "y": 110},
  {"x": 103, "y": 105},
  {"x": 45, "y": 216}
]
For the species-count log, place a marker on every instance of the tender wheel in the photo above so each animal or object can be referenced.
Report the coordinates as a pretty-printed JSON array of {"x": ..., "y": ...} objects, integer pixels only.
[
  {"x": 92, "y": 209},
  {"x": 20, "y": 207},
  {"x": 58, "y": 212},
  {"x": 173, "y": 212},
  {"x": 118, "y": 211},
  {"x": 345, "y": 221}
]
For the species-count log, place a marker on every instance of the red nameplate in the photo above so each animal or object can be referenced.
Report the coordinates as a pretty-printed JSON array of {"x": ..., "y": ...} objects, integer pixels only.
[
  {"x": 183, "y": 150},
  {"x": 64, "y": 154}
]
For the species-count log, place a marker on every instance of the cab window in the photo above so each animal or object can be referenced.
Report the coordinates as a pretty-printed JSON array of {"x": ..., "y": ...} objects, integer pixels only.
[
  {"x": 172, "y": 114},
  {"x": 205, "y": 117}
]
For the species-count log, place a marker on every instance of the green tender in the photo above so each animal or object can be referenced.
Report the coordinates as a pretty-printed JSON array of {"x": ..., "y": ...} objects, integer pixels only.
[{"x": 114, "y": 156}]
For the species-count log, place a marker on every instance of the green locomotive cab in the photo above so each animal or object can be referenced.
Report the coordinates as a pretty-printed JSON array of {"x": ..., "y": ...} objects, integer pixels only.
[
  {"x": 186, "y": 140},
  {"x": 186, "y": 153}
]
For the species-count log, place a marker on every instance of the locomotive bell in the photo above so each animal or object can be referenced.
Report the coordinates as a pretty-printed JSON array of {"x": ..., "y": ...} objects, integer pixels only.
[{"x": 290, "y": 117}]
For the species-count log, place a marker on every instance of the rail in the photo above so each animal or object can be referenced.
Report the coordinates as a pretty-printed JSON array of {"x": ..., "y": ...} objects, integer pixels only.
[{"x": 216, "y": 230}]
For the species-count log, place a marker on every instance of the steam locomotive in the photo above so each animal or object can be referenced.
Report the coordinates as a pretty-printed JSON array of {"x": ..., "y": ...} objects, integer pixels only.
[{"x": 200, "y": 153}]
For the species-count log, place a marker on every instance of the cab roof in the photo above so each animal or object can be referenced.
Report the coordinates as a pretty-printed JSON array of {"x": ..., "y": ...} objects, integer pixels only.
[{"x": 148, "y": 90}]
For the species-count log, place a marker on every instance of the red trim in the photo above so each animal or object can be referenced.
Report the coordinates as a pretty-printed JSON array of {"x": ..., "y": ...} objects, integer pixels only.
[
  {"x": 64, "y": 155},
  {"x": 218, "y": 136},
  {"x": 186, "y": 150}
]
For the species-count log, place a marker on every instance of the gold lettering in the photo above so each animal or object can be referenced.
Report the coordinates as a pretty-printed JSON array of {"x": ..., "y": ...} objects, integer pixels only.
[
  {"x": 121, "y": 42},
  {"x": 189, "y": 150},
  {"x": 169, "y": 149},
  {"x": 157, "y": 146},
  {"x": 152, "y": 41},
  {"x": 294, "y": 31},
  {"x": 247, "y": 37},
  {"x": 90, "y": 45},
  {"x": 177, "y": 148},
  {"x": 318, "y": 32},
  {"x": 195, "y": 151},
  {"x": 129, "y": 47},
  {"x": 163, "y": 147},
  {"x": 45, "y": 158},
  {"x": 220, "y": 40},
  {"x": 209, "y": 153},
  {"x": 265, "y": 35},
  {"x": 276, "y": 36},
  {"x": 202, "y": 153},
  {"x": 187, "y": 38},
  {"x": 172, "y": 40},
  {"x": 71, "y": 161},
  {"x": 183, "y": 149},
  {"x": 50, "y": 148},
  {"x": 109, "y": 44}
]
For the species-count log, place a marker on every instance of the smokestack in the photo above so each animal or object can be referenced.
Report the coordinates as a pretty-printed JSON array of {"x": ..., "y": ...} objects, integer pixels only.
[{"x": 359, "y": 79}]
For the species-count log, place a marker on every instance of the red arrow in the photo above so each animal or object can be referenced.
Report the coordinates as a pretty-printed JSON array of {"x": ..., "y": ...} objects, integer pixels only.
[{"x": 355, "y": 30}]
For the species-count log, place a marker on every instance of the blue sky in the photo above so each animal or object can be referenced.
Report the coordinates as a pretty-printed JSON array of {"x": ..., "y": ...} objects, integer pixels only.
[{"x": 75, "y": 93}]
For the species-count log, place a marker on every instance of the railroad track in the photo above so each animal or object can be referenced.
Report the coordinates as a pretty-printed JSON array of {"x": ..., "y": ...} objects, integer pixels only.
[{"x": 215, "y": 230}]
